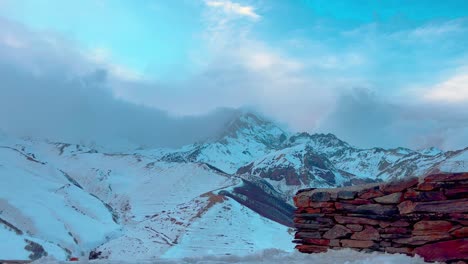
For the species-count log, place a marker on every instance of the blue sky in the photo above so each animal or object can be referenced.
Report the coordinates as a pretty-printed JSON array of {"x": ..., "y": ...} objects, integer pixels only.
[
  {"x": 299, "y": 61},
  {"x": 151, "y": 36}
]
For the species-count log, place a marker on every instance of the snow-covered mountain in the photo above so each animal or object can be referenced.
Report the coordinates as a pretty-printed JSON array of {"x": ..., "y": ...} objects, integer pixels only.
[{"x": 228, "y": 195}]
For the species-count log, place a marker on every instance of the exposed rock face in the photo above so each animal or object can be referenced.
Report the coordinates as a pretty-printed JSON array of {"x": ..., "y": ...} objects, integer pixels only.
[
  {"x": 418, "y": 216},
  {"x": 37, "y": 251}
]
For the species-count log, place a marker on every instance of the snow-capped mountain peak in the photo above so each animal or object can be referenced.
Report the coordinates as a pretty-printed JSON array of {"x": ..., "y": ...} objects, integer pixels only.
[{"x": 253, "y": 127}]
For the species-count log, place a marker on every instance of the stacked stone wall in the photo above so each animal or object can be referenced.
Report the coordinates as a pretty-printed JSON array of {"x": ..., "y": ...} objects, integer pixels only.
[{"x": 425, "y": 216}]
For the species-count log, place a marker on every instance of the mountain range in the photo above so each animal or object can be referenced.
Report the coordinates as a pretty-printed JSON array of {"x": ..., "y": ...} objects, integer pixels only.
[{"x": 229, "y": 195}]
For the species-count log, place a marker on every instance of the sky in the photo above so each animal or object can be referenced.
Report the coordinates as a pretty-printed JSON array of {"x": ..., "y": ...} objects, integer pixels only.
[{"x": 384, "y": 73}]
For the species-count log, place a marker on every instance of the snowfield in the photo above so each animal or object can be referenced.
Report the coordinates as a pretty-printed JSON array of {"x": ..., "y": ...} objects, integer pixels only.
[{"x": 274, "y": 256}]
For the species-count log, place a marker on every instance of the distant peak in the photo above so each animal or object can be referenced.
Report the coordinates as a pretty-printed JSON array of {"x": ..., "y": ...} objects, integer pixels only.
[
  {"x": 251, "y": 118},
  {"x": 319, "y": 138},
  {"x": 254, "y": 126},
  {"x": 248, "y": 120},
  {"x": 432, "y": 151}
]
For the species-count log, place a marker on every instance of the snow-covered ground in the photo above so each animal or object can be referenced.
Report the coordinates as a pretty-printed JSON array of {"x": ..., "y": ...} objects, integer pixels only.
[{"x": 274, "y": 256}]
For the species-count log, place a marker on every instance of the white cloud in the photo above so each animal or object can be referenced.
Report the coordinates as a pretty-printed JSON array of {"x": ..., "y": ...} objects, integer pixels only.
[
  {"x": 438, "y": 30},
  {"x": 234, "y": 8},
  {"x": 452, "y": 90}
]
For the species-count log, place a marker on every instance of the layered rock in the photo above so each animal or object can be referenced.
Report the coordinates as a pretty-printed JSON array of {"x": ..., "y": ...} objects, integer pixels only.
[{"x": 425, "y": 216}]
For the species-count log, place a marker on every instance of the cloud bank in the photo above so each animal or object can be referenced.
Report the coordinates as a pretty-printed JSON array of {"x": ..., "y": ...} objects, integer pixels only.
[
  {"x": 367, "y": 120},
  {"x": 50, "y": 90},
  {"x": 53, "y": 88}
]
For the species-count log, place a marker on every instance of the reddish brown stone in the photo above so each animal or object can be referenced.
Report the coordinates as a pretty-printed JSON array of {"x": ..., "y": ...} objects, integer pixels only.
[
  {"x": 314, "y": 241},
  {"x": 311, "y": 249},
  {"x": 457, "y": 193},
  {"x": 337, "y": 231},
  {"x": 421, "y": 240},
  {"x": 334, "y": 243},
  {"x": 356, "y": 243},
  {"x": 376, "y": 209},
  {"x": 320, "y": 197},
  {"x": 444, "y": 251},
  {"x": 461, "y": 232},
  {"x": 411, "y": 194},
  {"x": 385, "y": 244},
  {"x": 462, "y": 222},
  {"x": 396, "y": 230},
  {"x": 406, "y": 207},
  {"x": 425, "y": 196},
  {"x": 312, "y": 210},
  {"x": 427, "y": 186},
  {"x": 369, "y": 233},
  {"x": 354, "y": 227},
  {"x": 301, "y": 201},
  {"x": 401, "y": 250},
  {"x": 393, "y": 198},
  {"x": 315, "y": 211},
  {"x": 432, "y": 226},
  {"x": 461, "y": 216},
  {"x": 355, "y": 220},
  {"x": 446, "y": 177},
  {"x": 384, "y": 224},
  {"x": 302, "y": 235},
  {"x": 345, "y": 206},
  {"x": 449, "y": 206},
  {"x": 369, "y": 194},
  {"x": 324, "y": 220},
  {"x": 398, "y": 186},
  {"x": 321, "y": 204},
  {"x": 328, "y": 210},
  {"x": 357, "y": 202},
  {"x": 310, "y": 225},
  {"x": 400, "y": 223}
]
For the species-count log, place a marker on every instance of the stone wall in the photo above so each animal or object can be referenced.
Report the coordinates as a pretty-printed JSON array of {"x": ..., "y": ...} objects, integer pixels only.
[{"x": 425, "y": 216}]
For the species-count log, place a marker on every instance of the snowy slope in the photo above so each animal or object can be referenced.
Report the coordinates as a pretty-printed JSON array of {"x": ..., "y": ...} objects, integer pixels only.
[
  {"x": 144, "y": 206},
  {"x": 228, "y": 195},
  {"x": 41, "y": 204}
]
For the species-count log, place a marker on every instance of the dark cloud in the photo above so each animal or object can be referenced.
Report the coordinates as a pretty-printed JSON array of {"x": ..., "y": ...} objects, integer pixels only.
[
  {"x": 364, "y": 119},
  {"x": 48, "y": 90}
]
